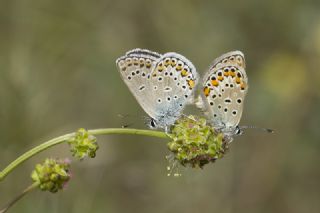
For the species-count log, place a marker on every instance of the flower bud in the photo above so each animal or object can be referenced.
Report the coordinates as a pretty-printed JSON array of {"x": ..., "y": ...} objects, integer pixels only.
[
  {"x": 196, "y": 143},
  {"x": 52, "y": 175},
  {"x": 83, "y": 144}
]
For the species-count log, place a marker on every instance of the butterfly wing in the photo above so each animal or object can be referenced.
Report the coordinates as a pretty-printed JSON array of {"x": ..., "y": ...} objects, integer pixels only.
[
  {"x": 224, "y": 89},
  {"x": 235, "y": 58},
  {"x": 135, "y": 68},
  {"x": 174, "y": 80},
  {"x": 162, "y": 84}
]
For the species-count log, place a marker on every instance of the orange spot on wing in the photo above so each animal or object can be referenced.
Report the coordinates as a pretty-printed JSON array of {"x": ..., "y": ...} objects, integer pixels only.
[
  {"x": 167, "y": 62},
  {"x": 243, "y": 86},
  {"x": 191, "y": 84},
  {"x": 238, "y": 80},
  {"x": 220, "y": 78},
  {"x": 141, "y": 62},
  {"x": 160, "y": 68},
  {"x": 206, "y": 91},
  {"x": 239, "y": 61},
  {"x": 135, "y": 61},
  {"x": 184, "y": 73},
  {"x": 215, "y": 83},
  {"x": 232, "y": 74}
]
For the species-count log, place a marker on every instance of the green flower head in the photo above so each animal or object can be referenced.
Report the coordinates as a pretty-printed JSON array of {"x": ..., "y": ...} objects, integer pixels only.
[
  {"x": 196, "y": 143},
  {"x": 83, "y": 144},
  {"x": 52, "y": 175}
]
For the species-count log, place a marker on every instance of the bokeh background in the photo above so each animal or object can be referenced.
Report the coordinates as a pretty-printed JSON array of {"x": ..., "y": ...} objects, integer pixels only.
[{"x": 58, "y": 73}]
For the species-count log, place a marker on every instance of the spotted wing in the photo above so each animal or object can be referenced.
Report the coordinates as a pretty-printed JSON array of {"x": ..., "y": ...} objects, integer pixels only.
[
  {"x": 173, "y": 80},
  {"x": 135, "y": 68},
  {"x": 235, "y": 58},
  {"x": 224, "y": 89},
  {"x": 162, "y": 84}
]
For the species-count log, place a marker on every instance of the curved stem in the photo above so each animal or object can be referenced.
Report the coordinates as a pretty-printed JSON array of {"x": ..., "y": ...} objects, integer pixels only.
[
  {"x": 16, "y": 199},
  {"x": 64, "y": 138},
  {"x": 33, "y": 152},
  {"x": 144, "y": 132}
]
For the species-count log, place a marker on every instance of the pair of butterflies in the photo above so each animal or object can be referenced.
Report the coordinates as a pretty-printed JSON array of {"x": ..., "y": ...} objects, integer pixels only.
[{"x": 164, "y": 84}]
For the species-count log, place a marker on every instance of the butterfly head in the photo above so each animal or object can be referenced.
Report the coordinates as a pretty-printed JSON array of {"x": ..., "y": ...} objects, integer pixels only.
[
  {"x": 238, "y": 131},
  {"x": 162, "y": 122},
  {"x": 230, "y": 131},
  {"x": 153, "y": 124}
]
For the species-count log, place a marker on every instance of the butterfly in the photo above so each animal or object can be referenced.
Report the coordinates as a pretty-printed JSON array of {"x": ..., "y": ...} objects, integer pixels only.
[
  {"x": 162, "y": 84},
  {"x": 224, "y": 88}
]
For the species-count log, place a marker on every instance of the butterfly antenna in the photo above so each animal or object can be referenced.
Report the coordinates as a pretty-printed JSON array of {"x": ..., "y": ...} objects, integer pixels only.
[
  {"x": 260, "y": 128},
  {"x": 123, "y": 116}
]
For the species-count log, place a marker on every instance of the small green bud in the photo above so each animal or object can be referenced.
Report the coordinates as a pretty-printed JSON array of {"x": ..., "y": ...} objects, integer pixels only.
[
  {"x": 52, "y": 175},
  {"x": 83, "y": 144},
  {"x": 196, "y": 143}
]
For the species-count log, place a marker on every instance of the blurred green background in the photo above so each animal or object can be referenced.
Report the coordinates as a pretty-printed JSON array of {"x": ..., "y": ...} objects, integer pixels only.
[{"x": 58, "y": 73}]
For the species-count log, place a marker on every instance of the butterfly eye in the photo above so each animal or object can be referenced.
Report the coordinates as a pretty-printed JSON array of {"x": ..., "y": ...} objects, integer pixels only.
[
  {"x": 153, "y": 123},
  {"x": 238, "y": 131}
]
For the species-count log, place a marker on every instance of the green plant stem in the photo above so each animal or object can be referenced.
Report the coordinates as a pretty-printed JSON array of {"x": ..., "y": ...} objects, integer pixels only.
[
  {"x": 64, "y": 138},
  {"x": 144, "y": 132},
  {"x": 16, "y": 199}
]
